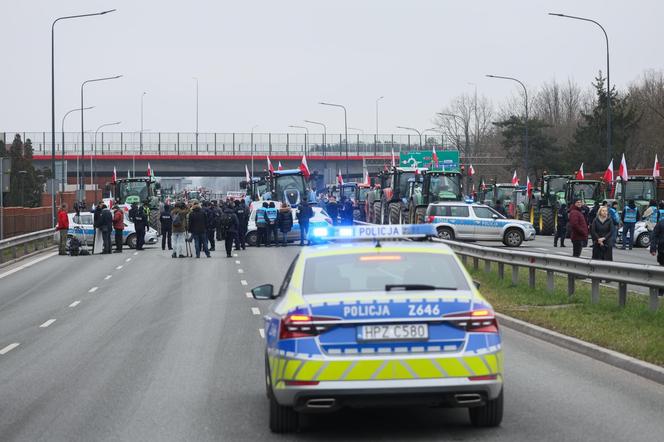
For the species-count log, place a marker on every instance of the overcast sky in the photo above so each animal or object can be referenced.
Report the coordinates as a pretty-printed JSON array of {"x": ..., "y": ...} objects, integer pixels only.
[{"x": 269, "y": 62}]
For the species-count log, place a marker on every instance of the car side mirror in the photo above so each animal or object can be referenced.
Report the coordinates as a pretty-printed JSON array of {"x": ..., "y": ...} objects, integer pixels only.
[
  {"x": 262, "y": 292},
  {"x": 494, "y": 216},
  {"x": 477, "y": 284}
]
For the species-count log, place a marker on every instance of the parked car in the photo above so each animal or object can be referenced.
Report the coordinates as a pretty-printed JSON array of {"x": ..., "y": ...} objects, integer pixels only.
[
  {"x": 320, "y": 219},
  {"x": 641, "y": 233},
  {"x": 82, "y": 228},
  {"x": 477, "y": 222}
]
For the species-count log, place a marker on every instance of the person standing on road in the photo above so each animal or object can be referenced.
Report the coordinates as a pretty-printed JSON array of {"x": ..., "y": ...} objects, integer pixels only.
[
  {"x": 657, "y": 242},
  {"x": 629, "y": 218},
  {"x": 118, "y": 227},
  {"x": 179, "y": 225},
  {"x": 271, "y": 215},
  {"x": 561, "y": 226},
  {"x": 285, "y": 222},
  {"x": 230, "y": 225},
  {"x": 613, "y": 214},
  {"x": 332, "y": 209},
  {"x": 578, "y": 228},
  {"x": 304, "y": 214},
  {"x": 63, "y": 229},
  {"x": 243, "y": 219},
  {"x": 651, "y": 216},
  {"x": 98, "y": 237},
  {"x": 166, "y": 223},
  {"x": 601, "y": 231},
  {"x": 198, "y": 228},
  {"x": 106, "y": 227},
  {"x": 211, "y": 224},
  {"x": 500, "y": 208},
  {"x": 261, "y": 224},
  {"x": 140, "y": 220}
]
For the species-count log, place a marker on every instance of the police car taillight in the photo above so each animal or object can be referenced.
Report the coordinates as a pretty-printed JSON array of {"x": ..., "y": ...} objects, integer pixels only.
[
  {"x": 477, "y": 321},
  {"x": 303, "y": 326}
]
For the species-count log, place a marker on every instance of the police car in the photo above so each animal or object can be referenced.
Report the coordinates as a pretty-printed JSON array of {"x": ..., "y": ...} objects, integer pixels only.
[
  {"x": 81, "y": 226},
  {"x": 372, "y": 323},
  {"x": 641, "y": 233},
  {"x": 320, "y": 219},
  {"x": 477, "y": 222}
]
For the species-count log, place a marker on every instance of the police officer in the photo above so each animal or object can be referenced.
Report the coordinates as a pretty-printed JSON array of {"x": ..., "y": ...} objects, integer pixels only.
[
  {"x": 243, "y": 219},
  {"x": 140, "y": 220},
  {"x": 166, "y": 222},
  {"x": 271, "y": 215},
  {"x": 261, "y": 224},
  {"x": 629, "y": 218},
  {"x": 561, "y": 227}
]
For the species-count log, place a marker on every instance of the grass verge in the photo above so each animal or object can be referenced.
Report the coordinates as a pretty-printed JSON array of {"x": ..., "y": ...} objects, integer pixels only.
[
  {"x": 633, "y": 330},
  {"x": 7, "y": 254}
]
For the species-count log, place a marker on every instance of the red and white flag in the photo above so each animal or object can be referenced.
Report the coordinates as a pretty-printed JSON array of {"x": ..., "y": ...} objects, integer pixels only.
[
  {"x": 246, "y": 173},
  {"x": 366, "y": 177},
  {"x": 394, "y": 160},
  {"x": 279, "y": 167},
  {"x": 515, "y": 179},
  {"x": 529, "y": 187},
  {"x": 655, "y": 168},
  {"x": 115, "y": 174},
  {"x": 471, "y": 171},
  {"x": 622, "y": 170},
  {"x": 149, "y": 170},
  {"x": 434, "y": 157},
  {"x": 304, "y": 167},
  {"x": 608, "y": 174},
  {"x": 579, "y": 173},
  {"x": 340, "y": 179},
  {"x": 270, "y": 167},
  {"x": 483, "y": 185}
]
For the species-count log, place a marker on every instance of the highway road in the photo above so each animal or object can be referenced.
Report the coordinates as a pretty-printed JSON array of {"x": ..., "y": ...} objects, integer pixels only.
[{"x": 142, "y": 347}]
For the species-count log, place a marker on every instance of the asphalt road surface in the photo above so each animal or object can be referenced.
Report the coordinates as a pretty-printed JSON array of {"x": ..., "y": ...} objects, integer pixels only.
[{"x": 161, "y": 349}]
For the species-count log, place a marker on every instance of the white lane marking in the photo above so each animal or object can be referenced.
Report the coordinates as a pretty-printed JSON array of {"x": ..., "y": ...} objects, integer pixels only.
[
  {"x": 9, "y": 348},
  {"x": 74, "y": 304},
  {"x": 118, "y": 268},
  {"x": 255, "y": 311},
  {"x": 243, "y": 282},
  {"x": 237, "y": 262},
  {"x": 240, "y": 271},
  {"x": 93, "y": 289},
  {"x": 47, "y": 323},
  {"x": 26, "y": 265},
  {"x": 541, "y": 248},
  {"x": 108, "y": 277},
  {"x": 135, "y": 253},
  {"x": 248, "y": 295},
  {"x": 261, "y": 332},
  {"x": 235, "y": 255},
  {"x": 128, "y": 259}
]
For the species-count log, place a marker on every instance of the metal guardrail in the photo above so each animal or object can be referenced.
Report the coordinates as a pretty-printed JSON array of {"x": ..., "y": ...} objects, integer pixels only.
[
  {"x": 597, "y": 271},
  {"x": 41, "y": 237}
]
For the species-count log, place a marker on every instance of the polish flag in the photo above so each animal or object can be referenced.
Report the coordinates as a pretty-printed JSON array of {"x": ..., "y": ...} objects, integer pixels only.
[
  {"x": 622, "y": 170},
  {"x": 304, "y": 167},
  {"x": 366, "y": 177},
  {"x": 608, "y": 175},
  {"x": 471, "y": 171},
  {"x": 655, "y": 168},
  {"x": 483, "y": 185},
  {"x": 434, "y": 157},
  {"x": 279, "y": 167},
  {"x": 270, "y": 167},
  {"x": 340, "y": 179},
  {"x": 515, "y": 179},
  {"x": 149, "y": 170},
  {"x": 247, "y": 177},
  {"x": 579, "y": 173},
  {"x": 394, "y": 160},
  {"x": 529, "y": 187},
  {"x": 115, "y": 175}
]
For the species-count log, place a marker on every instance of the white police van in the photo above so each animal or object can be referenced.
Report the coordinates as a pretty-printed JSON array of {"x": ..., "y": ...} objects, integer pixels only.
[{"x": 477, "y": 222}]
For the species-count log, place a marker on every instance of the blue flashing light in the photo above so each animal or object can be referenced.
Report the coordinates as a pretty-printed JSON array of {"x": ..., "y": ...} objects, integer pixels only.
[
  {"x": 370, "y": 232},
  {"x": 346, "y": 232},
  {"x": 320, "y": 232}
]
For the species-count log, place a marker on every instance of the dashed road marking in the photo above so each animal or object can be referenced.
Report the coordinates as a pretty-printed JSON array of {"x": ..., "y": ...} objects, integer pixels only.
[
  {"x": 240, "y": 271},
  {"x": 93, "y": 289},
  {"x": 128, "y": 259},
  {"x": 74, "y": 304},
  {"x": 261, "y": 332},
  {"x": 9, "y": 348},
  {"x": 255, "y": 310},
  {"x": 47, "y": 323},
  {"x": 108, "y": 277},
  {"x": 235, "y": 255},
  {"x": 135, "y": 253},
  {"x": 248, "y": 295},
  {"x": 237, "y": 262},
  {"x": 243, "y": 282},
  {"x": 541, "y": 248},
  {"x": 118, "y": 268},
  {"x": 31, "y": 263}
]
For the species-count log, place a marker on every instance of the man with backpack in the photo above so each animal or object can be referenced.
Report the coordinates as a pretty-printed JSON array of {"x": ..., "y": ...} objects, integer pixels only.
[
  {"x": 229, "y": 224},
  {"x": 166, "y": 223},
  {"x": 243, "y": 220},
  {"x": 271, "y": 215},
  {"x": 261, "y": 224},
  {"x": 140, "y": 220},
  {"x": 304, "y": 214}
]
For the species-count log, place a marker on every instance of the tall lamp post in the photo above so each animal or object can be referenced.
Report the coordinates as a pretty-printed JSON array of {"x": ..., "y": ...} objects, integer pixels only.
[
  {"x": 62, "y": 187},
  {"x": 609, "y": 147},
  {"x": 525, "y": 91},
  {"x": 252, "y": 149},
  {"x": 68, "y": 17},
  {"x": 196, "y": 78},
  {"x": 141, "y": 134},
  {"x": 345, "y": 126},
  {"x": 414, "y": 130},
  {"x": 306, "y": 135},
  {"x": 83, "y": 134},
  {"x": 377, "y": 100},
  {"x": 95, "y": 149},
  {"x": 324, "y": 132}
]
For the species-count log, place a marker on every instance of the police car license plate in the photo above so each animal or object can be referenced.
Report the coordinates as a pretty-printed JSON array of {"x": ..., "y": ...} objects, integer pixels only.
[{"x": 393, "y": 332}]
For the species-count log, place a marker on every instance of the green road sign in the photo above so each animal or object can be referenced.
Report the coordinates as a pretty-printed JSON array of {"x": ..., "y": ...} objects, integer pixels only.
[{"x": 447, "y": 159}]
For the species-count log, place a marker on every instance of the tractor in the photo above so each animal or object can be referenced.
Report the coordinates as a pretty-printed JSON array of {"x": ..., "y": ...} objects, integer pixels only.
[
  {"x": 641, "y": 189},
  {"x": 436, "y": 185},
  {"x": 496, "y": 192},
  {"x": 388, "y": 209},
  {"x": 554, "y": 193}
]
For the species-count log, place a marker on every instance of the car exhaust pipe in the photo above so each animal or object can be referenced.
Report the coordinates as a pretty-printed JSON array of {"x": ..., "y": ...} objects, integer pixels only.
[
  {"x": 321, "y": 403},
  {"x": 468, "y": 398}
]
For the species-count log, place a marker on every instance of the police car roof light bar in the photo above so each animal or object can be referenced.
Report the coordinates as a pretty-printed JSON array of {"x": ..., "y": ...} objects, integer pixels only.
[{"x": 374, "y": 232}]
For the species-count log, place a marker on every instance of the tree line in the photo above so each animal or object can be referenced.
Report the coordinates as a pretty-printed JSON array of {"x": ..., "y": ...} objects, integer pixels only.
[{"x": 26, "y": 183}]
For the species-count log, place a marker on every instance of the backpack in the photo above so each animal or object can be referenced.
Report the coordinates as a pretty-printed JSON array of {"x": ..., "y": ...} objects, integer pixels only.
[
  {"x": 225, "y": 221},
  {"x": 177, "y": 220}
]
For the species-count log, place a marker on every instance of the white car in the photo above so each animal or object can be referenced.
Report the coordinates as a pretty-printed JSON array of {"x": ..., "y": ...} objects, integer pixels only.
[
  {"x": 320, "y": 219},
  {"x": 641, "y": 233},
  {"x": 81, "y": 227}
]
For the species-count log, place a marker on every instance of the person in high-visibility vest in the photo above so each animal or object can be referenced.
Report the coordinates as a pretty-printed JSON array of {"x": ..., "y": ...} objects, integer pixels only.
[{"x": 629, "y": 217}]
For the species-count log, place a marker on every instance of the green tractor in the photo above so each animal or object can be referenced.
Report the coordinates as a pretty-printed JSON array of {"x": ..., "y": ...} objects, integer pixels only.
[
  {"x": 436, "y": 185},
  {"x": 641, "y": 189},
  {"x": 553, "y": 194},
  {"x": 395, "y": 196},
  {"x": 497, "y": 192}
]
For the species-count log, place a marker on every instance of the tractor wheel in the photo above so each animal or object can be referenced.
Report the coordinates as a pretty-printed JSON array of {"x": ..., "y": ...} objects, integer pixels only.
[
  {"x": 533, "y": 218},
  {"x": 547, "y": 222},
  {"x": 411, "y": 213},
  {"x": 420, "y": 214},
  {"x": 396, "y": 213}
]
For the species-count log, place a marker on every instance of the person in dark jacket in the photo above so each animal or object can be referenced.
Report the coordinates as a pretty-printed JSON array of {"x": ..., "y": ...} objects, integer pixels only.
[
  {"x": 166, "y": 221},
  {"x": 593, "y": 213},
  {"x": 561, "y": 226},
  {"x": 140, "y": 220},
  {"x": 198, "y": 229},
  {"x": 231, "y": 231},
  {"x": 347, "y": 212},
  {"x": 601, "y": 231},
  {"x": 285, "y": 222},
  {"x": 500, "y": 208},
  {"x": 304, "y": 214},
  {"x": 118, "y": 226},
  {"x": 211, "y": 220},
  {"x": 106, "y": 227},
  {"x": 243, "y": 219},
  {"x": 332, "y": 209},
  {"x": 657, "y": 243},
  {"x": 578, "y": 228}
]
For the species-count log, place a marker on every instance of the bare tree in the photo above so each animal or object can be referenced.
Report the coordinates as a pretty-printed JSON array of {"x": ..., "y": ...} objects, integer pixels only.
[{"x": 466, "y": 121}]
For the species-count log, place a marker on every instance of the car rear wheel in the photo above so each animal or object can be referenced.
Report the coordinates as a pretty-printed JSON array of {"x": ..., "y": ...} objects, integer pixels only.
[
  {"x": 282, "y": 419},
  {"x": 513, "y": 238},
  {"x": 446, "y": 233},
  {"x": 252, "y": 238},
  {"x": 643, "y": 240},
  {"x": 489, "y": 414},
  {"x": 131, "y": 241}
]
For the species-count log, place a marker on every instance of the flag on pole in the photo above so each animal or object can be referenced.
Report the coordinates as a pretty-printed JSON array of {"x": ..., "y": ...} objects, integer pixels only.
[
  {"x": 270, "y": 167},
  {"x": 304, "y": 167},
  {"x": 394, "y": 160},
  {"x": 622, "y": 170},
  {"x": 608, "y": 174},
  {"x": 529, "y": 187},
  {"x": 149, "y": 170},
  {"x": 471, "y": 171},
  {"x": 247, "y": 177},
  {"x": 579, "y": 173},
  {"x": 482, "y": 185},
  {"x": 655, "y": 168},
  {"x": 366, "y": 177},
  {"x": 434, "y": 157},
  {"x": 279, "y": 167},
  {"x": 340, "y": 179},
  {"x": 515, "y": 179},
  {"x": 115, "y": 175}
]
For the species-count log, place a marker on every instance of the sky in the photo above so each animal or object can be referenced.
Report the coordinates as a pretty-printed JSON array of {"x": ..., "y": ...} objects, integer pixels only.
[{"x": 268, "y": 63}]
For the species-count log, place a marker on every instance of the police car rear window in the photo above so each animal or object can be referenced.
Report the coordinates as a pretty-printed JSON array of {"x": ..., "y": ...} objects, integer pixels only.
[
  {"x": 459, "y": 211},
  {"x": 372, "y": 272}
]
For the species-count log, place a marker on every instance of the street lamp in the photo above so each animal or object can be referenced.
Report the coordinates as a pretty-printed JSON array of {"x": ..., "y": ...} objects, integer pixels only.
[
  {"x": 82, "y": 134},
  {"x": 609, "y": 147},
  {"x": 345, "y": 126},
  {"x": 306, "y": 136},
  {"x": 62, "y": 188},
  {"x": 377, "y": 100},
  {"x": 141, "y": 134},
  {"x": 53, "y": 97},
  {"x": 196, "y": 78},
  {"x": 95, "y": 148},
  {"x": 324, "y": 132},
  {"x": 413, "y": 129},
  {"x": 525, "y": 91},
  {"x": 252, "y": 149}
]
